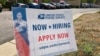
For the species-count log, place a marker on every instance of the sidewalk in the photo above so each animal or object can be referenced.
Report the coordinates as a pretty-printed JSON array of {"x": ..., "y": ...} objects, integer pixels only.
[{"x": 9, "y": 48}]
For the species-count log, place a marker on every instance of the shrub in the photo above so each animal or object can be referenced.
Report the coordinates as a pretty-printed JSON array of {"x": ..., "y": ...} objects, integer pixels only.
[{"x": 87, "y": 49}]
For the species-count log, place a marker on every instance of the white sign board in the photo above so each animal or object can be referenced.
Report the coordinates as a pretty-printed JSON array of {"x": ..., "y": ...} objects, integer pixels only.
[
  {"x": 43, "y": 32},
  {"x": 50, "y": 32}
]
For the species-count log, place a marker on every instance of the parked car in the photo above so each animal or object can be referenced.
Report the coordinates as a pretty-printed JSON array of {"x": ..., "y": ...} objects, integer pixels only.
[
  {"x": 89, "y": 5},
  {"x": 64, "y": 5},
  {"x": 0, "y": 8},
  {"x": 57, "y": 5},
  {"x": 53, "y": 3},
  {"x": 47, "y": 6},
  {"x": 94, "y": 6},
  {"x": 97, "y": 6},
  {"x": 33, "y": 5},
  {"x": 61, "y": 5},
  {"x": 20, "y": 5}
]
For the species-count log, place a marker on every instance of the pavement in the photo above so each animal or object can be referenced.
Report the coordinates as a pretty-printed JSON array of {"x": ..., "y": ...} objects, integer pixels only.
[
  {"x": 9, "y": 48},
  {"x": 78, "y": 12},
  {"x": 6, "y": 27}
]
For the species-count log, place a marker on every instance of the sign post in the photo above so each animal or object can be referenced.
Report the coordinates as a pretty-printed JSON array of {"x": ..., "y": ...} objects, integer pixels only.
[{"x": 43, "y": 32}]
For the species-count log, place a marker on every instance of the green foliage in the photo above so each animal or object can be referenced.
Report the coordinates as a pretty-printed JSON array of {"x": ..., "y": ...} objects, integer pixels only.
[
  {"x": 88, "y": 1},
  {"x": 3, "y": 2},
  {"x": 87, "y": 48},
  {"x": 23, "y": 1},
  {"x": 20, "y": 1},
  {"x": 94, "y": 1},
  {"x": 30, "y": 1},
  {"x": 46, "y": 1},
  {"x": 84, "y": 1}
]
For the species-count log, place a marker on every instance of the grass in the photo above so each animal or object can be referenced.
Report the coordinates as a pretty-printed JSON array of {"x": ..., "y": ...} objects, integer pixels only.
[
  {"x": 87, "y": 31},
  {"x": 98, "y": 12}
]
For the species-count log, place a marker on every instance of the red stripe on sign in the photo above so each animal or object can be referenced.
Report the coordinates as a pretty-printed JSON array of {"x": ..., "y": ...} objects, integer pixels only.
[{"x": 21, "y": 45}]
